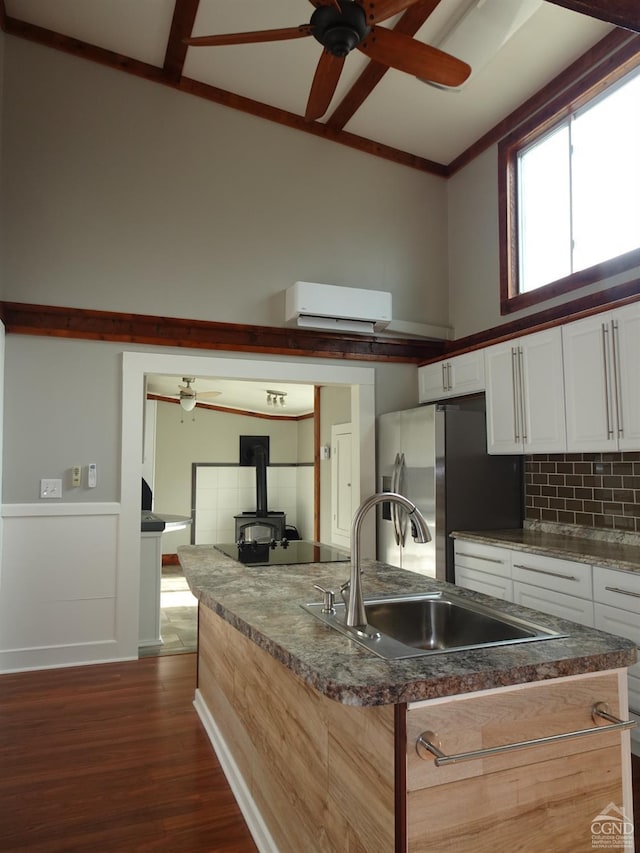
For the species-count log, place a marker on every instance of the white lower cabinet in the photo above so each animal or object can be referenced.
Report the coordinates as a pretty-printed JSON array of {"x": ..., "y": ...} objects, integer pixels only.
[
  {"x": 484, "y": 568},
  {"x": 617, "y": 610},
  {"x": 555, "y": 603},
  {"x": 560, "y": 587},
  {"x": 607, "y": 599}
]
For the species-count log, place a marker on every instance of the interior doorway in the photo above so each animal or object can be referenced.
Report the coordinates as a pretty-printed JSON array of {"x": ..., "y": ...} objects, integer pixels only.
[{"x": 136, "y": 365}]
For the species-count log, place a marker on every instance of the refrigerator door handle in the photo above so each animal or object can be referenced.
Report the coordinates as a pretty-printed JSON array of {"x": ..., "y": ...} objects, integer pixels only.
[
  {"x": 402, "y": 515},
  {"x": 394, "y": 506}
]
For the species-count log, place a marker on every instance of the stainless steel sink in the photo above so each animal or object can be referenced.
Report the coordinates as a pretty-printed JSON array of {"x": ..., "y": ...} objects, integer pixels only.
[{"x": 432, "y": 623}]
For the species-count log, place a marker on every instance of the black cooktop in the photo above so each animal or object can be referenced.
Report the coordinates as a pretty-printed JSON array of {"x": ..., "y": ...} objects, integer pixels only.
[{"x": 282, "y": 553}]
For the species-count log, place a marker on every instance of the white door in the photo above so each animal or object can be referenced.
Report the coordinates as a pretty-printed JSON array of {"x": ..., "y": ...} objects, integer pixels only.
[
  {"x": 342, "y": 508},
  {"x": 525, "y": 395},
  {"x": 503, "y": 418},
  {"x": 542, "y": 378},
  {"x": 432, "y": 382},
  {"x": 586, "y": 345},
  {"x": 626, "y": 337}
]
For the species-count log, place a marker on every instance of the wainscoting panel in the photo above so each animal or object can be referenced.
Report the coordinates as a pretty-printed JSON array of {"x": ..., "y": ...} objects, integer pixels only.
[{"x": 58, "y": 585}]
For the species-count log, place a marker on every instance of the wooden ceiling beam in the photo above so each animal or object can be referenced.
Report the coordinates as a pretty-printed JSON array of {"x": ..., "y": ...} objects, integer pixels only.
[
  {"x": 81, "y": 49},
  {"x": 622, "y": 13},
  {"x": 408, "y": 25},
  {"x": 184, "y": 15}
]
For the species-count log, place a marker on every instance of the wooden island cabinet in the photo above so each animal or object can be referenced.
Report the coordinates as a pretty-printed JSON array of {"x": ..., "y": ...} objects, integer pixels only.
[{"x": 318, "y": 737}]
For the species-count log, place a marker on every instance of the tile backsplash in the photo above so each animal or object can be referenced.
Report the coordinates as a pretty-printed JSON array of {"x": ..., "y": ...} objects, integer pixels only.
[{"x": 588, "y": 489}]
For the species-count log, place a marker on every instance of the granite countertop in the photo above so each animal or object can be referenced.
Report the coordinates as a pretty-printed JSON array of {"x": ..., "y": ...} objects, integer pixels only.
[
  {"x": 263, "y": 603},
  {"x": 583, "y": 545}
]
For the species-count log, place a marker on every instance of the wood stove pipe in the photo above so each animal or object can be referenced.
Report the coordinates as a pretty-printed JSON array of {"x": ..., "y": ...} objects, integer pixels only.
[{"x": 261, "y": 481}]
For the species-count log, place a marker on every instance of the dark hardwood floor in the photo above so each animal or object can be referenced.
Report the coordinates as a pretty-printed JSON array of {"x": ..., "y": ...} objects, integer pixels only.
[{"x": 112, "y": 758}]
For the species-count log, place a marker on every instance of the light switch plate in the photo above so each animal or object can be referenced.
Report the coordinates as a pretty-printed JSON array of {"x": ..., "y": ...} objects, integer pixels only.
[
  {"x": 51, "y": 488},
  {"x": 92, "y": 475}
]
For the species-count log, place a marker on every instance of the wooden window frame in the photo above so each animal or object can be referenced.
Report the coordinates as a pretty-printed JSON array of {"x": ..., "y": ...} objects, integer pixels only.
[{"x": 576, "y": 94}]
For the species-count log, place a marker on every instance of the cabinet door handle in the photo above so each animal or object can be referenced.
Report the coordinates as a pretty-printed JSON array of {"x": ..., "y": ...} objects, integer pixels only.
[
  {"x": 444, "y": 376},
  {"x": 622, "y": 591},
  {"x": 514, "y": 386},
  {"x": 480, "y": 557},
  {"x": 616, "y": 375},
  {"x": 428, "y": 743},
  {"x": 449, "y": 383},
  {"x": 522, "y": 394},
  {"x": 605, "y": 356},
  {"x": 545, "y": 572}
]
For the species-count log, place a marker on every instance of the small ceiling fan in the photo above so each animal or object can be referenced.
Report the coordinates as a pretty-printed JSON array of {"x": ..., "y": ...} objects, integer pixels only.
[
  {"x": 187, "y": 395},
  {"x": 342, "y": 25}
]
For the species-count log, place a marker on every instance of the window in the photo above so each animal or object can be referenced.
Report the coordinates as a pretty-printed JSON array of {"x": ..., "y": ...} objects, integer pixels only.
[{"x": 570, "y": 190}]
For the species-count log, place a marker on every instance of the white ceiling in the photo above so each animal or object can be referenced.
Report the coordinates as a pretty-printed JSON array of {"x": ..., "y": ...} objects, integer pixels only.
[
  {"x": 401, "y": 112},
  {"x": 234, "y": 394}
]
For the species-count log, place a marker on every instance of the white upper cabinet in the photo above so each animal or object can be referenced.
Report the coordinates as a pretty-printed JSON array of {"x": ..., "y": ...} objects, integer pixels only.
[
  {"x": 462, "y": 374},
  {"x": 525, "y": 395},
  {"x": 601, "y": 361}
]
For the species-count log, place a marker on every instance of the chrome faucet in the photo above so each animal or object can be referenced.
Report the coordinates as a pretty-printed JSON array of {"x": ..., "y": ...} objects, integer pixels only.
[{"x": 356, "y": 615}]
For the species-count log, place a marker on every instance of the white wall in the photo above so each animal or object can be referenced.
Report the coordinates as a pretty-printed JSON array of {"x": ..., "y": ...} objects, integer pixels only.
[
  {"x": 48, "y": 544},
  {"x": 128, "y": 196},
  {"x": 474, "y": 267},
  {"x": 122, "y": 195},
  {"x": 209, "y": 436}
]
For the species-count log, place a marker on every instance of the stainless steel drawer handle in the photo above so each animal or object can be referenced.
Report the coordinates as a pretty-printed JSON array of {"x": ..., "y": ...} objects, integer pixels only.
[
  {"x": 479, "y": 557},
  {"x": 428, "y": 743},
  {"x": 543, "y": 572},
  {"x": 622, "y": 591}
]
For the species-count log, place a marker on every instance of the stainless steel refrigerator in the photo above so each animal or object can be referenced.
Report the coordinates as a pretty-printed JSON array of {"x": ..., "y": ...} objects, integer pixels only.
[{"x": 437, "y": 456}]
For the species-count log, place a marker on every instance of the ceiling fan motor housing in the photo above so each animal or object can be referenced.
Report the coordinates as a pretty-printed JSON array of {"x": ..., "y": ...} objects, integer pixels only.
[{"x": 339, "y": 31}]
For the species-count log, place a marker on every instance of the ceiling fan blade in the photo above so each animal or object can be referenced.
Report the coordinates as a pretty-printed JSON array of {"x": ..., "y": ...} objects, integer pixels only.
[
  {"x": 207, "y": 395},
  {"x": 413, "y": 57},
  {"x": 324, "y": 85},
  {"x": 250, "y": 38},
  {"x": 318, "y": 3},
  {"x": 380, "y": 10}
]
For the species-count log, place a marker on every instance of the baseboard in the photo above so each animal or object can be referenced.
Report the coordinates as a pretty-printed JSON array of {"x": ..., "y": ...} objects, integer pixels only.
[
  {"x": 257, "y": 827},
  {"x": 30, "y": 660}
]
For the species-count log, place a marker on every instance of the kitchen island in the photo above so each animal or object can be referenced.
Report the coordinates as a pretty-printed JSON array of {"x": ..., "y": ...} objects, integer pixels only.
[{"x": 318, "y": 736}]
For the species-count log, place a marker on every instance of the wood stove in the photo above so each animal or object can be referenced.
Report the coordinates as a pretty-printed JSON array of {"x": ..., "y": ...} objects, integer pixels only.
[{"x": 259, "y": 525}]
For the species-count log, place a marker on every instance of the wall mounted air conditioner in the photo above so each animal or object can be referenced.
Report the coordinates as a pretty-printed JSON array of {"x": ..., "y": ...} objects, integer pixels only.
[{"x": 337, "y": 309}]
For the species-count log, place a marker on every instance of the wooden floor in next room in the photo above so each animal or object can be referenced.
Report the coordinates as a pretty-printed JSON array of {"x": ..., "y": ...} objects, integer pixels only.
[{"x": 112, "y": 758}]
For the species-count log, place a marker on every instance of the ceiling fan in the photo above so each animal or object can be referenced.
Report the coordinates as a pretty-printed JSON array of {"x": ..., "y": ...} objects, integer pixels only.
[
  {"x": 342, "y": 25},
  {"x": 187, "y": 395}
]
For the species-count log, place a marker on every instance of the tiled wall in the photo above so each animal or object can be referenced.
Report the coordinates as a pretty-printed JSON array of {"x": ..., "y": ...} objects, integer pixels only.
[
  {"x": 588, "y": 489},
  {"x": 221, "y": 491}
]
